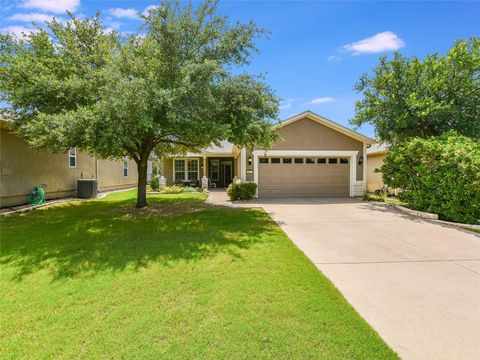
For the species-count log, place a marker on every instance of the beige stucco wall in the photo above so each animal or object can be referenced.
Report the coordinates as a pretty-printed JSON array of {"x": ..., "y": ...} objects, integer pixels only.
[
  {"x": 306, "y": 134},
  {"x": 22, "y": 168},
  {"x": 110, "y": 174},
  {"x": 374, "y": 180}
]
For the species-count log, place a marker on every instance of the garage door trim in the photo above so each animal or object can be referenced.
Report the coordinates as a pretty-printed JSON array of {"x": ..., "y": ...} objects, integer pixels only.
[{"x": 309, "y": 153}]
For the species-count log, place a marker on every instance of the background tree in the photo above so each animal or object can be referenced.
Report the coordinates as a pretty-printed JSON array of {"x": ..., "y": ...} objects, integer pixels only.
[
  {"x": 407, "y": 97},
  {"x": 173, "y": 88}
]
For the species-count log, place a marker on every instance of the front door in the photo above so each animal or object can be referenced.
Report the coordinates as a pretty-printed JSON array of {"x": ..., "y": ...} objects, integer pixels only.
[{"x": 226, "y": 173}]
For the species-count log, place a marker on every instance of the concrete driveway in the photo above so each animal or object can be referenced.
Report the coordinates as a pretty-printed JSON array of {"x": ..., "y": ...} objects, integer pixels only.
[{"x": 415, "y": 282}]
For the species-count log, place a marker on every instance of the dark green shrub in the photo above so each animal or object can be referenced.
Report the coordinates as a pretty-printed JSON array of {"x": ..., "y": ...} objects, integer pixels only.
[
  {"x": 439, "y": 175},
  {"x": 155, "y": 183},
  {"x": 242, "y": 191}
]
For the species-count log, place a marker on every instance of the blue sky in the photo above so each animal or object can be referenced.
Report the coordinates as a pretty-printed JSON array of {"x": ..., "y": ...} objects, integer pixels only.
[{"x": 317, "y": 49}]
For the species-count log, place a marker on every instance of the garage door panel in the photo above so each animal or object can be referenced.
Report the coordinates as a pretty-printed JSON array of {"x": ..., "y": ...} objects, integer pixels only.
[{"x": 304, "y": 179}]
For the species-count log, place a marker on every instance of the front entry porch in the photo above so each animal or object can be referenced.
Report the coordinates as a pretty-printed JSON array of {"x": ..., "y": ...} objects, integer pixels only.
[{"x": 220, "y": 171}]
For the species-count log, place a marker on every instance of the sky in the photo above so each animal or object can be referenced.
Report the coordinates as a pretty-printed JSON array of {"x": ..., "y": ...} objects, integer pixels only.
[{"x": 316, "y": 50}]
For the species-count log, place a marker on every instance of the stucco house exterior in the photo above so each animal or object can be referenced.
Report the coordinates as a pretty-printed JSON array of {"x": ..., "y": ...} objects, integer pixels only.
[
  {"x": 375, "y": 155},
  {"x": 314, "y": 156},
  {"x": 22, "y": 168}
]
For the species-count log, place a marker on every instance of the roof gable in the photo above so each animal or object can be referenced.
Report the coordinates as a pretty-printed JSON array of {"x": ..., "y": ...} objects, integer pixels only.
[{"x": 328, "y": 123}]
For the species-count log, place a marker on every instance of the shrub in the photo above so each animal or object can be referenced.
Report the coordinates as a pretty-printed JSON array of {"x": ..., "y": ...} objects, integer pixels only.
[
  {"x": 438, "y": 175},
  {"x": 189, "y": 189},
  {"x": 173, "y": 189},
  {"x": 242, "y": 191},
  {"x": 155, "y": 183}
]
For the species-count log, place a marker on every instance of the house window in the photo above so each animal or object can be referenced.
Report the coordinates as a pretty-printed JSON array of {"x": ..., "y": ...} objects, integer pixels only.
[
  {"x": 179, "y": 170},
  {"x": 332, "y": 161},
  {"x": 310, "y": 161},
  {"x": 263, "y": 160},
  {"x": 322, "y": 161},
  {"x": 275, "y": 160},
  {"x": 215, "y": 170},
  {"x": 72, "y": 157},
  {"x": 186, "y": 169},
  {"x": 287, "y": 160},
  {"x": 344, "y": 161},
  {"x": 125, "y": 167},
  {"x": 298, "y": 161},
  {"x": 192, "y": 166}
]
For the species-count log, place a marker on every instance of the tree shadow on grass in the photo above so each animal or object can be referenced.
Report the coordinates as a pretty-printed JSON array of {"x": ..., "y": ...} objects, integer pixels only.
[{"x": 84, "y": 239}]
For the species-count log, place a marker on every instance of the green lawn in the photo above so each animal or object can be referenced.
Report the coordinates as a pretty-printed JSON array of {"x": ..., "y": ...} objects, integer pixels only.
[{"x": 181, "y": 280}]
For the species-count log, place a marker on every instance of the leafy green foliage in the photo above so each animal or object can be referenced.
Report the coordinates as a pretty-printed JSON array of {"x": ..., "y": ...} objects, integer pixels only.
[
  {"x": 155, "y": 183},
  {"x": 173, "y": 189},
  {"x": 175, "y": 87},
  {"x": 408, "y": 97},
  {"x": 242, "y": 191},
  {"x": 439, "y": 175}
]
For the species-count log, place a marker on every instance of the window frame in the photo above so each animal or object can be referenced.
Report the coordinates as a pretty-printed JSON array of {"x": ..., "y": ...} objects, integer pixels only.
[
  {"x": 333, "y": 160},
  {"x": 322, "y": 161},
  {"x": 277, "y": 160},
  {"x": 185, "y": 169},
  {"x": 125, "y": 167},
  {"x": 301, "y": 161},
  {"x": 310, "y": 161},
  {"x": 74, "y": 156},
  {"x": 263, "y": 160},
  {"x": 290, "y": 161}
]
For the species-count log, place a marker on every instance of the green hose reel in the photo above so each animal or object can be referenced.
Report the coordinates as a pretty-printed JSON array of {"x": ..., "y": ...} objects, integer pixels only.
[{"x": 37, "y": 196}]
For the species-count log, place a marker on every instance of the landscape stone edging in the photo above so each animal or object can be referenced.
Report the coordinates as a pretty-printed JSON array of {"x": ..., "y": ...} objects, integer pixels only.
[
  {"x": 430, "y": 216},
  {"x": 57, "y": 201}
]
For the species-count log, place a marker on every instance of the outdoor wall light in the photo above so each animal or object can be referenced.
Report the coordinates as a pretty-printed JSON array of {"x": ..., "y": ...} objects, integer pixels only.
[
  {"x": 249, "y": 160},
  {"x": 360, "y": 160}
]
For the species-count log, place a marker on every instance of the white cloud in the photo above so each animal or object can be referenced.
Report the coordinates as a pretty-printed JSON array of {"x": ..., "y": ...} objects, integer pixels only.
[
  {"x": 384, "y": 41},
  {"x": 333, "y": 58},
  {"x": 321, "y": 100},
  {"x": 123, "y": 13},
  {"x": 285, "y": 104},
  {"x": 17, "y": 30},
  {"x": 54, "y": 6},
  {"x": 31, "y": 17}
]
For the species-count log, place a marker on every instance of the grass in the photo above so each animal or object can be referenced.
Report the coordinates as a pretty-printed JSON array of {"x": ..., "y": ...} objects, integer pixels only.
[{"x": 179, "y": 280}]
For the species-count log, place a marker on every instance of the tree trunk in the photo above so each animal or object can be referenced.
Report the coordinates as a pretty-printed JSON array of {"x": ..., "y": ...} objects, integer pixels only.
[{"x": 142, "y": 182}]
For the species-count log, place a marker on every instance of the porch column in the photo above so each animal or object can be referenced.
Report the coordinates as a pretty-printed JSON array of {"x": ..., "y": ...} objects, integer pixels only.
[
  {"x": 243, "y": 165},
  {"x": 204, "y": 178},
  {"x": 255, "y": 170}
]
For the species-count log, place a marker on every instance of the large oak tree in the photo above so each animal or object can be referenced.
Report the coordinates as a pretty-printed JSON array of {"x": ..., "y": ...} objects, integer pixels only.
[{"x": 175, "y": 86}]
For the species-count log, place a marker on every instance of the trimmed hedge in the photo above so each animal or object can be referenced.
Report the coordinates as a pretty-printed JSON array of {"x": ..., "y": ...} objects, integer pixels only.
[
  {"x": 242, "y": 191},
  {"x": 440, "y": 175}
]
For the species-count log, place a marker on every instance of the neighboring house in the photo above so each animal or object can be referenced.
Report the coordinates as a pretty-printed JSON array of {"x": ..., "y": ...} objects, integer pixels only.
[
  {"x": 375, "y": 155},
  {"x": 313, "y": 157},
  {"x": 22, "y": 168}
]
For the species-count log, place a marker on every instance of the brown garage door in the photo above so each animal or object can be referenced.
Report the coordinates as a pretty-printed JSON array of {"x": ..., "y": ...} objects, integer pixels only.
[{"x": 304, "y": 176}]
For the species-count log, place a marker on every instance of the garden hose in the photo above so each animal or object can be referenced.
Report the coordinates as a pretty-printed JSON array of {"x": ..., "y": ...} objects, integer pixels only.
[{"x": 37, "y": 196}]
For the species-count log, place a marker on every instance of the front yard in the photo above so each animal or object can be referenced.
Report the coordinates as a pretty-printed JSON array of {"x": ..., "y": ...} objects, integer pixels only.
[{"x": 182, "y": 279}]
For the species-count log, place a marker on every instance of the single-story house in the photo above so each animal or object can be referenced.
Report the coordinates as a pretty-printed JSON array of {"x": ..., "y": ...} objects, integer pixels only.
[
  {"x": 375, "y": 155},
  {"x": 22, "y": 168},
  {"x": 314, "y": 156}
]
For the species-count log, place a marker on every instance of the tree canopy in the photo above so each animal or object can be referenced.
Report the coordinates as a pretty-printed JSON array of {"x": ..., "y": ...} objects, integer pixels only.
[
  {"x": 407, "y": 97},
  {"x": 174, "y": 86}
]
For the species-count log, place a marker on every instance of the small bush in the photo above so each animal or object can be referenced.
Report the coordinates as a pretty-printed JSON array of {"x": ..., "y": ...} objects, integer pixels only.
[
  {"x": 155, "y": 183},
  {"x": 438, "y": 175},
  {"x": 190, "y": 189},
  {"x": 242, "y": 191},
  {"x": 173, "y": 189}
]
